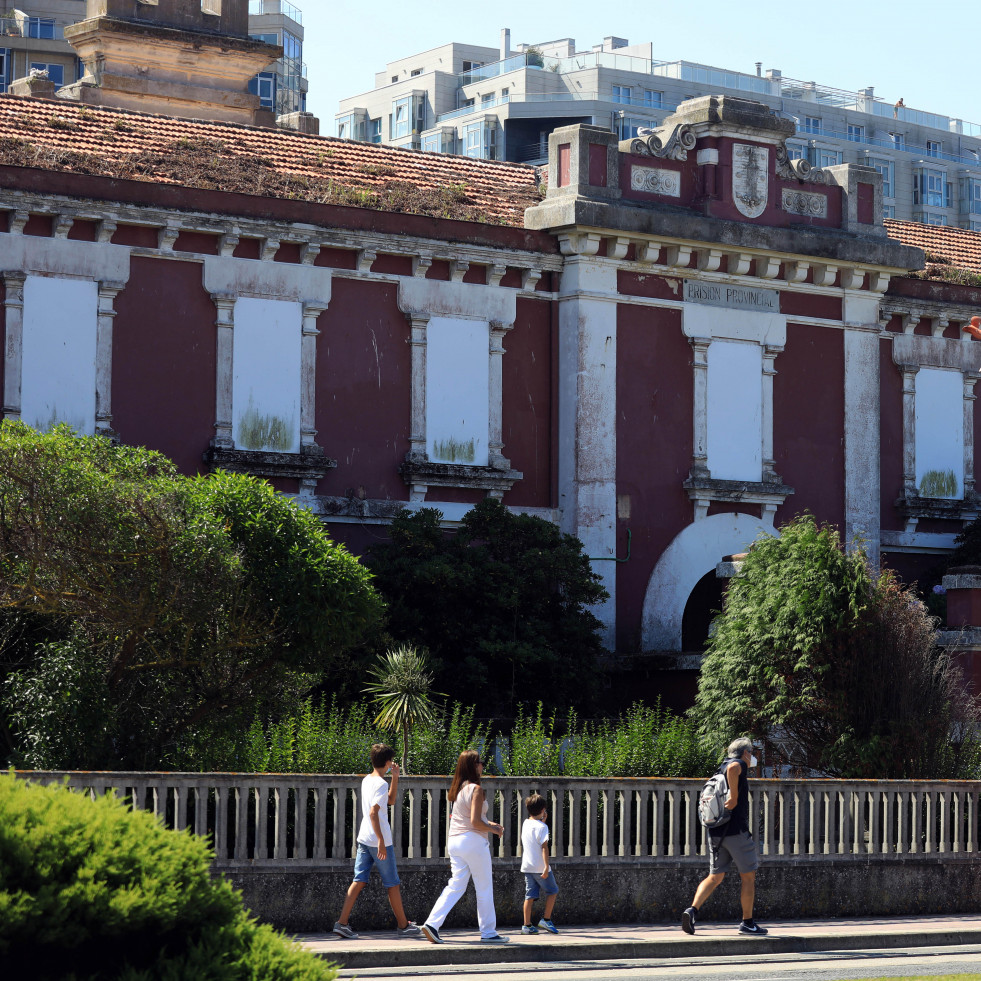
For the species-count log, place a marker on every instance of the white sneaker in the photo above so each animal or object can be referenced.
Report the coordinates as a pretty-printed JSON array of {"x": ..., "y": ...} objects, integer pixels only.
[{"x": 343, "y": 930}]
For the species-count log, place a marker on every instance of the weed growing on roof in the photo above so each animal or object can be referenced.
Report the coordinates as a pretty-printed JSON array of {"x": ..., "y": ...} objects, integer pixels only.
[
  {"x": 379, "y": 170},
  {"x": 121, "y": 126},
  {"x": 59, "y": 122}
]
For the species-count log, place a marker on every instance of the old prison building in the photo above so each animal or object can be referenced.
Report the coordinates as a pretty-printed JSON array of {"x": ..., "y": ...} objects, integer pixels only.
[{"x": 688, "y": 340}]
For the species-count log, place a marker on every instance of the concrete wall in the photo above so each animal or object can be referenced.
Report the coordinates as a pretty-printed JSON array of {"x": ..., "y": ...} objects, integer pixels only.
[{"x": 310, "y": 901}]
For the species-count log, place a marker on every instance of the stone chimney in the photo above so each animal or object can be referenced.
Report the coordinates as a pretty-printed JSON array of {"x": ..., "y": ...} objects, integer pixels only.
[{"x": 191, "y": 58}]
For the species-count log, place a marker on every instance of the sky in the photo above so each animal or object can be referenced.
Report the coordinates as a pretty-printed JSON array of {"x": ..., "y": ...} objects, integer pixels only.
[{"x": 925, "y": 52}]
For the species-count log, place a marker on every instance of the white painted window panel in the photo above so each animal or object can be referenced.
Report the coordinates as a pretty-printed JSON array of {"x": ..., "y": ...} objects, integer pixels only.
[
  {"x": 939, "y": 407},
  {"x": 735, "y": 410},
  {"x": 457, "y": 390},
  {"x": 61, "y": 319},
  {"x": 266, "y": 375}
]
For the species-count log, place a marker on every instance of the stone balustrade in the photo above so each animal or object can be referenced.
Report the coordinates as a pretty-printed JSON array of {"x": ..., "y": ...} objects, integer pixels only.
[{"x": 297, "y": 821}]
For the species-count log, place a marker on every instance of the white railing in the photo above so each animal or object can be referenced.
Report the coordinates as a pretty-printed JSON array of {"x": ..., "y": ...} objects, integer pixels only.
[{"x": 291, "y": 820}]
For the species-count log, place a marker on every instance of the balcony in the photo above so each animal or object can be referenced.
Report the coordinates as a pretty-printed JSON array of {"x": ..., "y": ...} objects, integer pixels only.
[{"x": 258, "y": 8}]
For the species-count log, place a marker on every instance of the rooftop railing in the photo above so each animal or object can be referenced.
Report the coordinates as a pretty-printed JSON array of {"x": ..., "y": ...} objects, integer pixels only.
[
  {"x": 690, "y": 71},
  {"x": 552, "y": 97},
  {"x": 259, "y": 7},
  {"x": 292, "y": 820}
]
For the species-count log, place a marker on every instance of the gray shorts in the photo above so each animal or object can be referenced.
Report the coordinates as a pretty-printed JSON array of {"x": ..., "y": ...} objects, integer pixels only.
[{"x": 739, "y": 848}]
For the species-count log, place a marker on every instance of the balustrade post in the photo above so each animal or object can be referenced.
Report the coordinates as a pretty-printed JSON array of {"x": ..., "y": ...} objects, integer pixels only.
[
  {"x": 221, "y": 823},
  {"x": 575, "y": 818},
  {"x": 944, "y": 813},
  {"x": 674, "y": 826},
  {"x": 559, "y": 802},
  {"x": 930, "y": 818}
]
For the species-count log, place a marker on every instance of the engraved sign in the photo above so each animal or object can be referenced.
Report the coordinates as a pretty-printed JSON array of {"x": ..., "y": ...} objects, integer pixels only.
[
  {"x": 653, "y": 180},
  {"x": 733, "y": 297},
  {"x": 750, "y": 178},
  {"x": 802, "y": 203}
]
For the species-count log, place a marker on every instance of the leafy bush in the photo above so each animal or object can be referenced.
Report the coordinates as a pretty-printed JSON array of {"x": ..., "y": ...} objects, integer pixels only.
[
  {"x": 841, "y": 664},
  {"x": 146, "y": 609},
  {"x": 93, "y": 892}
]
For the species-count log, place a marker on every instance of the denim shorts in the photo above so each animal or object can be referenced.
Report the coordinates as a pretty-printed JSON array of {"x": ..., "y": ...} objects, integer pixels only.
[
  {"x": 535, "y": 885},
  {"x": 368, "y": 857},
  {"x": 739, "y": 848}
]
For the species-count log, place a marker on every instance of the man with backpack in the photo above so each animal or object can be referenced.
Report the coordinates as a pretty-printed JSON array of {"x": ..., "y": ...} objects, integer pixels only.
[{"x": 724, "y": 810}]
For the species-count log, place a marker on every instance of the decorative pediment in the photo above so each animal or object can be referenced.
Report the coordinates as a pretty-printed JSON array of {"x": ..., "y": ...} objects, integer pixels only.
[
  {"x": 666, "y": 142},
  {"x": 799, "y": 169}
]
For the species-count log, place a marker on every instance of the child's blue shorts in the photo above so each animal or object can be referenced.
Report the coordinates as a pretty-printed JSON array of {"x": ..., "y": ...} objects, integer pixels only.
[
  {"x": 368, "y": 857},
  {"x": 535, "y": 885}
]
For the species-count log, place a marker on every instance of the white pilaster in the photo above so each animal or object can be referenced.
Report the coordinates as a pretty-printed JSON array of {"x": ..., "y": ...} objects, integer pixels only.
[
  {"x": 970, "y": 379},
  {"x": 103, "y": 357},
  {"x": 495, "y": 391},
  {"x": 14, "y": 348},
  {"x": 770, "y": 353},
  {"x": 587, "y": 417},
  {"x": 417, "y": 428},
  {"x": 225, "y": 323},
  {"x": 909, "y": 428},
  {"x": 308, "y": 374},
  {"x": 862, "y": 509},
  {"x": 700, "y": 347}
]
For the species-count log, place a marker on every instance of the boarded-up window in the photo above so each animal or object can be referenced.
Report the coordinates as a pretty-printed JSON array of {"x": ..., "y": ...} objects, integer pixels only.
[
  {"x": 939, "y": 443},
  {"x": 58, "y": 377},
  {"x": 266, "y": 375},
  {"x": 735, "y": 410},
  {"x": 457, "y": 390}
]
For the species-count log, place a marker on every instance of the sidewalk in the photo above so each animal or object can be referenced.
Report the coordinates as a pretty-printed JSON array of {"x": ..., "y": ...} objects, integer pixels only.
[{"x": 585, "y": 943}]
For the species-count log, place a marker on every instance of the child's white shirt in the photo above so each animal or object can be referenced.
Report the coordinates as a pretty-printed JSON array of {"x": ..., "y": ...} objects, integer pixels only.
[
  {"x": 374, "y": 790},
  {"x": 534, "y": 834}
]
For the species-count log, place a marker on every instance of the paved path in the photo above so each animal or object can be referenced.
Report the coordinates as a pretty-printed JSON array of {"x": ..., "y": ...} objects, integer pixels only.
[
  {"x": 857, "y": 965},
  {"x": 643, "y": 942}
]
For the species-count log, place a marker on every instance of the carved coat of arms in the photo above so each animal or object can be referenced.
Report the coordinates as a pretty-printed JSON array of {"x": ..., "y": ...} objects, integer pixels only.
[{"x": 750, "y": 179}]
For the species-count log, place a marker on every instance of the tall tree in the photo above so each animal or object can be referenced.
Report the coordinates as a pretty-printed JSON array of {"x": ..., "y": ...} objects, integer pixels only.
[{"x": 501, "y": 604}]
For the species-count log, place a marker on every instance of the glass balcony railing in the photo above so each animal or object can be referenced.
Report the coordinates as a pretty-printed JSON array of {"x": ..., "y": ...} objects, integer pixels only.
[
  {"x": 553, "y": 97},
  {"x": 259, "y": 7}
]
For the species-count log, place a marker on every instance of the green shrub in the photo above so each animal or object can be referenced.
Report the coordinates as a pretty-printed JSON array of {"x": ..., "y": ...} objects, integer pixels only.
[{"x": 91, "y": 891}]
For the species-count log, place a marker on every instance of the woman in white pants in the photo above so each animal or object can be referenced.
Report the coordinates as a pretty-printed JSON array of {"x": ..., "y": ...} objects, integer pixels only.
[{"x": 469, "y": 850}]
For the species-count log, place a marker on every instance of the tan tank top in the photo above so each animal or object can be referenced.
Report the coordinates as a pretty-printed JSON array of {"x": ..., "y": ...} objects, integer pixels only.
[{"x": 460, "y": 821}]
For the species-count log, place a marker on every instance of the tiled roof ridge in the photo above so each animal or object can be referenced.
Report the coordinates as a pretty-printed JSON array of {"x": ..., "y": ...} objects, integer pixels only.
[
  {"x": 265, "y": 131},
  {"x": 66, "y": 136},
  {"x": 947, "y": 246}
]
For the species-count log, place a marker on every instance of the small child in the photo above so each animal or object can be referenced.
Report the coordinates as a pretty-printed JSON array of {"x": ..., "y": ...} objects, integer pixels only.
[
  {"x": 375, "y": 844},
  {"x": 539, "y": 877}
]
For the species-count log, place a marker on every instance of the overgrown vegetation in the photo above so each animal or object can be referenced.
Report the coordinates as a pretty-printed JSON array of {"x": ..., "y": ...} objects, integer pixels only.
[
  {"x": 144, "y": 610},
  {"x": 942, "y": 268},
  {"x": 92, "y": 891},
  {"x": 328, "y": 738},
  {"x": 842, "y": 664},
  {"x": 500, "y": 605},
  {"x": 233, "y": 166}
]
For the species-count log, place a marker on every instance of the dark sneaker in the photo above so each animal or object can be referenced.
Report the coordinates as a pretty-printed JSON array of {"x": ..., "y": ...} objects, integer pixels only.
[
  {"x": 753, "y": 929},
  {"x": 548, "y": 925},
  {"x": 528, "y": 928},
  {"x": 410, "y": 930},
  {"x": 431, "y": 933},
  {"x": 343, "y": 930},
  {"x": 496, "y": 939},
  {"x": 688, "y": 920}
]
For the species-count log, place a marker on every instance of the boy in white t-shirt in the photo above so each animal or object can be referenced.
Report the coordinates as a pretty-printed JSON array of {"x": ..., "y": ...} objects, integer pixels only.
[
  {"x": 375, "y": 843},
  {"x": 539, "y": 877}
]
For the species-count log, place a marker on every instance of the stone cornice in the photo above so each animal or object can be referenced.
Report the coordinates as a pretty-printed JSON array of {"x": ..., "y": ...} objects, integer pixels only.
[
  {"x": 582, "y": 217},
  {"x": 307, "y": 236}
]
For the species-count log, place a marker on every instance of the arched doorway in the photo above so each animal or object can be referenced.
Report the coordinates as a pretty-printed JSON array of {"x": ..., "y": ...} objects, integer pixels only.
[
  {"x": 704, "y": 603},
  {"x": 694, "y": 553}
]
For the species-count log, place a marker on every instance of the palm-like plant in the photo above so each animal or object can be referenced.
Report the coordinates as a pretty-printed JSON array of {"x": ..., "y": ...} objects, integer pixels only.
[{"x": 402, "y": 692}]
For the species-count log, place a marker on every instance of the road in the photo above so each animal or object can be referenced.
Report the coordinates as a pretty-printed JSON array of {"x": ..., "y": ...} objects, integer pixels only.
[{"x": 846, "y": 966}]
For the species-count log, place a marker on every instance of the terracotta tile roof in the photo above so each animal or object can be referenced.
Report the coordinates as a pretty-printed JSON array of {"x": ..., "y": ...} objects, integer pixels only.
[
  {"x": 60, "y": 135},
  {"x": 955, "y": 247}
]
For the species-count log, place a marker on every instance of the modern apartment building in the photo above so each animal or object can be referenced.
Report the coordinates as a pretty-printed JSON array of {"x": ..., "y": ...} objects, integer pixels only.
[
  {"x": 33, "y": 37},
  {"x": 501, "y": 104}
]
